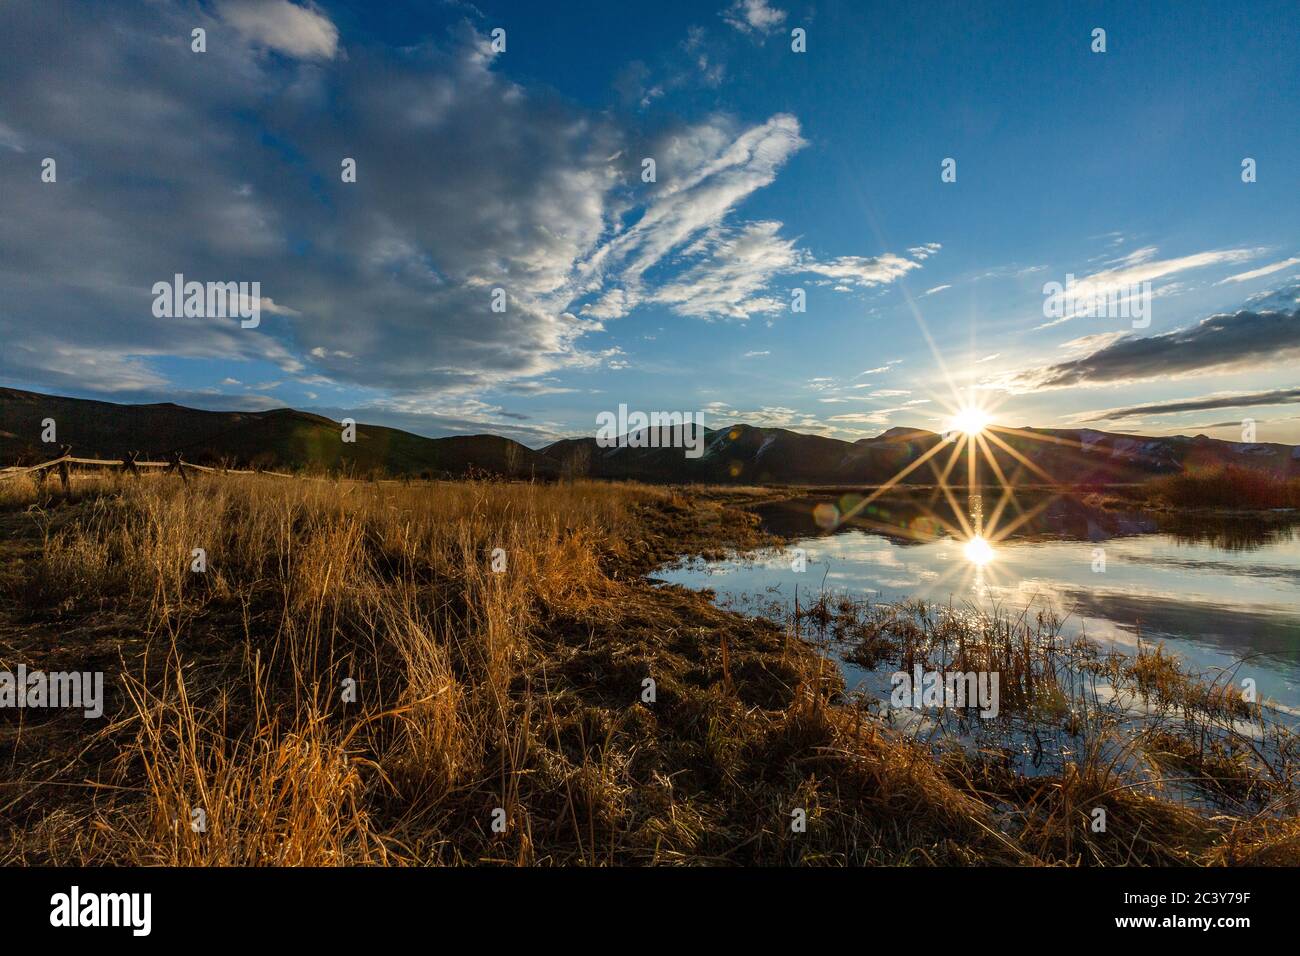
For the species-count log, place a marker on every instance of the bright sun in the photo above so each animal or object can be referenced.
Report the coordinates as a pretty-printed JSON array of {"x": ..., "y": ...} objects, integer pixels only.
[
  {"x": 971, "y": 420},
  {"x": 978, "y": 551}
]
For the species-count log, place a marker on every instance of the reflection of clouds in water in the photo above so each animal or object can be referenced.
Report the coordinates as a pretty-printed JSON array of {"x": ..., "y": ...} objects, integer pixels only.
[
  {"x": 1036, "y": 593},
  {"x": 719, "y": 570},
  {"x": 1040, "y": 595},
  {"x": 764, "y": 560},
  {"x": 887, "y": 558},
  {"x": 915, "y": 576},
  {"x": 1063, "y": 590},
  {"x": 1108, "y": 632},
  {"x": 851, "y": 547},
  {"x": 1279, "y": 575},
  {"x": 1205, "y": 604}
]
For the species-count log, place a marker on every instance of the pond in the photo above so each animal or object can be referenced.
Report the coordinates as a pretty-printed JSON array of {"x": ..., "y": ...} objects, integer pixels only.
[{"x": 1220, "y": 591}]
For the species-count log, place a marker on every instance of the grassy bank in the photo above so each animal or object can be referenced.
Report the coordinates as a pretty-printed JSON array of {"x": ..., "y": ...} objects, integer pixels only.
[
  {"x": 1226, "y": 487},
  {"x": 351, "y": 682}
]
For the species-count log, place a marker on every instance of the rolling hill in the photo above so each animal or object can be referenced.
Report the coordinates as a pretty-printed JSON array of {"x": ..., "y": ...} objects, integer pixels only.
[
  {"x": 286, "y": 438},
  {"x": 745, "y": 454},
  {"x": 282, "y": 438}
]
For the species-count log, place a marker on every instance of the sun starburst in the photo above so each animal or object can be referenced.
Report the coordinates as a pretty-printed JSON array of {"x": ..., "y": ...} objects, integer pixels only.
[
  {"x": 978, "y": 551},
  {"x": 970, "y": 420}
]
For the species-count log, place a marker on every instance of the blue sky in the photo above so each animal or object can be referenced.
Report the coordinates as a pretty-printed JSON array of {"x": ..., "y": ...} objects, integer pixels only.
[{"x": 775, "y": 171}]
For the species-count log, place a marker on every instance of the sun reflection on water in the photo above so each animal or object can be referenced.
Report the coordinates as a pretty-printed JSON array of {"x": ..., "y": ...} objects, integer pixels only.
[{"x": 979, "y": 551}]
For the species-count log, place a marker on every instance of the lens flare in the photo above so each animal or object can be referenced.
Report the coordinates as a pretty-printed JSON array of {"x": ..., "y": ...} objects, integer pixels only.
[
  {"x": 978, "y": 551},
  {"x": 970, "y": 420}
]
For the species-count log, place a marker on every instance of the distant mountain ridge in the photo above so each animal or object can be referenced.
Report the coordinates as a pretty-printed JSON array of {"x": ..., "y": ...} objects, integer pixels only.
[
  {"x": 746, "y": 454},
  {"x": 280, "y": 438},
  {"x": 742, "y": 454}
]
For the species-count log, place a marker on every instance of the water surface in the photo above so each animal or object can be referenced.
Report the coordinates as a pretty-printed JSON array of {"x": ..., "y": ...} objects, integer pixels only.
[{"x": 1220, "y": 591}]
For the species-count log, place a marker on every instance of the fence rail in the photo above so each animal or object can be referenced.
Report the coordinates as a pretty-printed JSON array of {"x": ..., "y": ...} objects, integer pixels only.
[{"x": 130, "y": 464}]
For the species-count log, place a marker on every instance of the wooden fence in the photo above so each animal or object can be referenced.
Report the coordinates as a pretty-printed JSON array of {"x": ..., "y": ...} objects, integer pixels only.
[{"x": 131, "y": 464}]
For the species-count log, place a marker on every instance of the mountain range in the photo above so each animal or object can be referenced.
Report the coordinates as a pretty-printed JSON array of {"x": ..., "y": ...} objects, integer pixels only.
[{"x": 739, "y": 453}]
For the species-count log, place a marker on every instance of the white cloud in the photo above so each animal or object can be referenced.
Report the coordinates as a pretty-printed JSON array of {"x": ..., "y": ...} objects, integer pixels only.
[
  {"x": 270, "y": 305},
  {"x": 729, "y": 282},
  {"x": 753, "y": 16},
  {"x": 58, "y": 364},
  {"x": 1137, "y": 256},
  {"x": 10, "y": 140},
  {"x": 533, "y": 194},
  {"x": 704, "y": 172},
  {"x": 1139, "y": 267},
  {"x": 733, "y": 279},
  {"x": 861, "y": 271},
  {"x": 1262, "y": 271},
  {"x": 879, "y": 369},
  {"x": 610, "y": 305},
  {"x": 282, "y": 26},
  {"x": 865, "y": 418}
]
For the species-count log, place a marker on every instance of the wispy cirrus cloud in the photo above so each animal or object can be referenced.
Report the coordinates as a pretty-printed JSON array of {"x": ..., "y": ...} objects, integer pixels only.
[
  {"x": 878, "y": 417},
  {"x": 705, "y": 172},
  {"x": 880, "y": 369},
  {"x": 1140, "y": 266},
  {"x": 732, "y": 279},
  {"x": 1277, "y": 396},
  {"x": 735, "y": 279},
  {"x": 1261, "y": 271},
  {"x": 764, "y": 416}
]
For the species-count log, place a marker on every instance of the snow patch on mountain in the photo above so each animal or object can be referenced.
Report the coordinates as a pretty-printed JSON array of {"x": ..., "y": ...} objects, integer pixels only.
[
  {"x": 1126, "y": 448},
  {"x": 1088, "y": 438}
]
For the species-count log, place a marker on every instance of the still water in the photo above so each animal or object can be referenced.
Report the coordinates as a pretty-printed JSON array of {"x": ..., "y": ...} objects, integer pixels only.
[{"x": 1221, "y": 592}]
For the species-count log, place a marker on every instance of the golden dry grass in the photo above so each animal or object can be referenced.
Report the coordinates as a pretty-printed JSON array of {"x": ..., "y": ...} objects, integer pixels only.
[
  {"x": 480, "y": 695},
  {"x": 1226, "y": 486}
]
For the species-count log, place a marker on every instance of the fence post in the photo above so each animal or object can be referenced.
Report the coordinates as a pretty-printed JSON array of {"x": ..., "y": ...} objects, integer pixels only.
[
  {"x": 177, "y": 467},
  {"x": 64, "y": 478},
  {"x": 128, "y": 463}
]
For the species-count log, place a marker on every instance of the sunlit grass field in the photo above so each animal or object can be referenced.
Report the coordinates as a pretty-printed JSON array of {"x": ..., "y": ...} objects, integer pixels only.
[
  {"x": 1227, "y": 487},
  {"x": 480, "y": 672}
]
